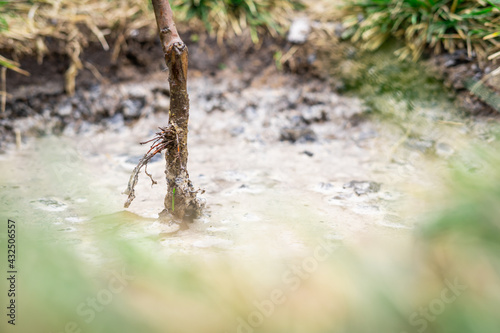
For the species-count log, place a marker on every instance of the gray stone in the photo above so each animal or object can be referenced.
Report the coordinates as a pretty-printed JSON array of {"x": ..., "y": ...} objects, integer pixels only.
[
  {"x": 132, "y": 108},
  {"x": 135, "y": 159},
  {"x": 65, "y": 109},
  {"x": 363, "y": 187},
  {"x": 299, "y": 30},
  {"x": 425, "y": 146},
  {"x": 297, "y": 134},
  {"x": 315, "y": 113},
  {"x": 161, "y": 102},
  {"x": 235, "y": 131},
  {"x": 444, "y": 150},
  {"x": 116, "y": 122}
]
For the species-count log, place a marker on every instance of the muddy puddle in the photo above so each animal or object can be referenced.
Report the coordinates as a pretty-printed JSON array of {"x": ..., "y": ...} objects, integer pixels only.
[{"x": 282, "y": 161}]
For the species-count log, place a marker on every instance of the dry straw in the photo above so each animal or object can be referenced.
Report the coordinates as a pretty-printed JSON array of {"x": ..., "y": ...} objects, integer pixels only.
[
  {"x": 69, "y": 24},
  {"x": 27, "y": 26}
]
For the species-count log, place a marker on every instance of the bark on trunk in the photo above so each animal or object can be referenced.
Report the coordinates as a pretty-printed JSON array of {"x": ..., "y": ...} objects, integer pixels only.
[{"x": 180, "y": 201}]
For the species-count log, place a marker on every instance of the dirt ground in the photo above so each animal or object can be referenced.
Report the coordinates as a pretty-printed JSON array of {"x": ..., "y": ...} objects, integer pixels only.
[
  {"x": 274, "y": 154},
  {"x": 282, "y": 152},
  {"x": 260, "y": 138},
  {"x": 38, "y": 104},
  {"x": 287, "y": 160}
]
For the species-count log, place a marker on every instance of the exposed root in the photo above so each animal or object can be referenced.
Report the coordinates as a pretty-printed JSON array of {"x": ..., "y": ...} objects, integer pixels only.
[
  {"x": 153, "y": 182},
  {"x": 161, "y": 141}
]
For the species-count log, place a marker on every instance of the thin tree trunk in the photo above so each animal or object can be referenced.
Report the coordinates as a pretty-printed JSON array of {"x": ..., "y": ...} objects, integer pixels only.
[{"x": 180, "y": 201}]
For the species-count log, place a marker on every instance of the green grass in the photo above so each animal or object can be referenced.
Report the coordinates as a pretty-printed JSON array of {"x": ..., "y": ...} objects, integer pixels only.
[
  {"x": 441, "y": 25},
  {"x": 4, "y": 26},
  {"x": 238, "y": 15}
]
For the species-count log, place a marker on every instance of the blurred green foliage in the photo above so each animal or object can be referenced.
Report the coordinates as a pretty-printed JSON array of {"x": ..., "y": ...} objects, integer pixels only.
[
  {"x": 448, "y": 25},
  {"x": 381, "y": 77},
  {"x": 4, "y": 26},
  {"x": 3, "y": 22}
]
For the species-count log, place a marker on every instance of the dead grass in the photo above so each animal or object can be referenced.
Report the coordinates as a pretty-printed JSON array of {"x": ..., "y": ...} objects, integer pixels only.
[
  {"x": 443, "y": 26},
  {"x": 234, "y": 17},
  {"x": 74, "y": 24},
  {"x": 31, "y": 27}
]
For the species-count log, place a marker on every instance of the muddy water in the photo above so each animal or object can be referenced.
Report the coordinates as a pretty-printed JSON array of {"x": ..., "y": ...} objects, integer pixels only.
[{"x": 281, "y": 162}]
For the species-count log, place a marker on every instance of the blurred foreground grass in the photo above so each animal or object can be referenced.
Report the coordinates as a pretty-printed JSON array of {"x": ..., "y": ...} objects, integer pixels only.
[{"x": 446, "y": 280}]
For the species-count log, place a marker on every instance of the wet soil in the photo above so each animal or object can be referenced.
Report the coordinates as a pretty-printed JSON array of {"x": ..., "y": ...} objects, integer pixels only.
[
  {"x": 38, "y": 104},
  {"x": 111, "y": 87},
  {"x": 260, "y": 188},
  {"x": 279, "y": 155},
  {"x": 476, "y": 89}
]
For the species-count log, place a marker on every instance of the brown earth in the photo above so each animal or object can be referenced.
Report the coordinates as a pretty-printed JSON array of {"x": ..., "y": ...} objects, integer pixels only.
[
  {"x": 461, "y": 73},
  {"x": 38, "y": 104}
]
